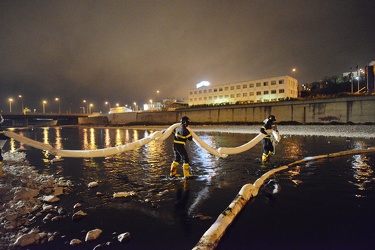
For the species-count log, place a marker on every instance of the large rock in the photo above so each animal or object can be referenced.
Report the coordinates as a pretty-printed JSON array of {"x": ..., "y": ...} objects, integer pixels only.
[{"x": 93, "y": 234}]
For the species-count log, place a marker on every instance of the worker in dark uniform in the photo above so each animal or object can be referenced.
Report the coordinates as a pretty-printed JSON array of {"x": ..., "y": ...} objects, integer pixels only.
[
  {"x": 3, "y": 139},
  {"x": 181, "y": 135},
  {"x": 267, "y": 143}
]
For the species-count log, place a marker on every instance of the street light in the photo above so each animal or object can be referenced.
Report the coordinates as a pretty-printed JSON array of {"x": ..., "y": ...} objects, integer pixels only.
[
  {"x": 20, "y": 96},
  {"x": 57, "y": 99},
  {"x": 91, "y": 105},
  {"x": 87, "y": 106},
  {"x": 109, "y": 104},
  {"x": 135, "y": 105},
  {"x": 10, "y": 105},
  {"x": 44, "y": 106}
]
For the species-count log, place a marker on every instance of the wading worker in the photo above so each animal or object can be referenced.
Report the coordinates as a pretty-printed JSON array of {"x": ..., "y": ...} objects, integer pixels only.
[
  {"x": 3, "y": 139},
  {"x": 181, "y": 135},
  {"x": 266, "y": 141}
]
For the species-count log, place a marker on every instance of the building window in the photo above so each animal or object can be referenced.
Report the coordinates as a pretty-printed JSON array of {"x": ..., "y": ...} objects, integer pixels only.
[
  {"x": 259, "y": 92},
  {"x": 195, "y": 92},
  {"x": 215, "y": 90},
  {"x": 238, "y": 95},
  {"x": 205, "y": 98},
  {"x": 210, "y": 98},
  {"x": 210, "y": 90},
  {"x": 265, "y": 83},
  {"x": 238, "y": 87},
  {"x": 191, "y": 92},
  {"x": 258, "y": 84},
  {"x": 273, "y": 82},
  {"x": 231, "y": 87},
  {"x": 266, "y": 92},
  {"x": 215, "y": 97},
  {"x": 273, "y": 91},
  {"x": 281, "y": 91},
  {"x": 244, "y": 94},
  {"x": 281, "y": 81},
  {"x": 251, "y": 93},
  {"x": 226, "y": 88},
  {"x": 220, "y": 89},
  {"x": 232, "y": 96},
  {"x": 226, "y": 96},
  {"x": 200, "y": 98},
  {"x": 244, "y": 86},
  {"x": 205, "y": 91},
  {"x": 200, "y": 92},
  {"x": 251, "y": 85}
]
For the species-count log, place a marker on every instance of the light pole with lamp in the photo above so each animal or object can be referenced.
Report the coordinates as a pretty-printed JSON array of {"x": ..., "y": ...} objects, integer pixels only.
[
  {"x": 44, "y": 106},
  {"x": 135, "y": 106},
  {"x": 87, "y": 106},
  {"x": 58, "y": 100},
  {"x": 109, "y": 105},
  {"x": 91, "y": 105},
  {"x": 20, "y": 96},
  {"x": 10, "y": 105}
]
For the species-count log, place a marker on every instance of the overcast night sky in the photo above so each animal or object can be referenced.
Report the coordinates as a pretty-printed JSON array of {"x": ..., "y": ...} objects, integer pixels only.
[{"x": 124, "y": 51}]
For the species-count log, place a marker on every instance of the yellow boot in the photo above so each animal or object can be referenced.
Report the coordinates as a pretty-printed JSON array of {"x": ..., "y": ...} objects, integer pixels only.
[
  {"x": 173, "y": 172},
  {"x": 264, "y": 157},
  {"x": 186, "y": 171},
  {"x": 1, "y": 170}
]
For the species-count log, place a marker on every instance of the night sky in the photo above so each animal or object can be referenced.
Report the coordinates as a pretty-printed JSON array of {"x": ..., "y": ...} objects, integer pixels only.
[{"x": 125, "y": 51}]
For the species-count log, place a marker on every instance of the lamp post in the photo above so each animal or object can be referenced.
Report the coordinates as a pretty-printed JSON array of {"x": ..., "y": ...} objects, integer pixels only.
[
  {"x": 150, "y": 104},
  {"x": 91, "y": 105},
  {"x": 10, "y": 105},
  {"x": 87, "y": 106},
  {"x": 20, "y": 96},
  {"x": 44, "y": 106},
  {"x": 135, "y": 106},
  {"x": 109, "y": 105},
  {"x": 58, "y": 100}
]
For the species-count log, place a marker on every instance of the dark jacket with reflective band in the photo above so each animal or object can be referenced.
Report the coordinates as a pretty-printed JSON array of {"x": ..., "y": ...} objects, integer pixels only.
[
  {"x": 266, "y": 126},
  {"x": 181, "y": 134}
]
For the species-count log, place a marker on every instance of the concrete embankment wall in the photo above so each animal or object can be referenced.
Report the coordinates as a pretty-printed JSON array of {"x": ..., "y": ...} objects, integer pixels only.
[{"x": 354, "y": 109}]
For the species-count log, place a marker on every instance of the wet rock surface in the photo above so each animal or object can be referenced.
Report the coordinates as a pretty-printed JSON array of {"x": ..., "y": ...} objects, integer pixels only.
[{"x": 25, "y": 195}]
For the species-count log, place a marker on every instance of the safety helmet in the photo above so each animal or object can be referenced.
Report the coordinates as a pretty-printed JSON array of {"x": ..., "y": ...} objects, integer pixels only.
[
  {"x": 185, "y": 120},
  {"x": 272, "y": 118}
]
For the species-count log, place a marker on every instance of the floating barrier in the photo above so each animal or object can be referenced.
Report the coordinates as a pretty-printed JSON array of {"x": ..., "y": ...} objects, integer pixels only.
[
  {"x": 212, "y": 236},
  {"x": 157, "y": 136}
]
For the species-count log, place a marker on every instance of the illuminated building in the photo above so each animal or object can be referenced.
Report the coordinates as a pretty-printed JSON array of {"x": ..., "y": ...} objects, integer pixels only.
[{"x": 261, "y": 90}]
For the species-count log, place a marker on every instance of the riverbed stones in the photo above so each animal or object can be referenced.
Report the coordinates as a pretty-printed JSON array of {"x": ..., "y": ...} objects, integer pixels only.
[
  {"x": 93, "y": 234},
  {"x": 78, "y": 215},
  {"x": 50, "y": 198},
  {"x": 93, "y": 184},
  {"x": 75, "y": 242},
  {"x": 123, "y": 237}
]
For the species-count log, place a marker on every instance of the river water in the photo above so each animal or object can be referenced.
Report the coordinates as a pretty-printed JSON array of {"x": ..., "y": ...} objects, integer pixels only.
[{"x": 324, "y": 204}]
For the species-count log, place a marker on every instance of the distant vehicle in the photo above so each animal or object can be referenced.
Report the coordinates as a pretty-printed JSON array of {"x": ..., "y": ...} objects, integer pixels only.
[{"x": 119, "y": 110}]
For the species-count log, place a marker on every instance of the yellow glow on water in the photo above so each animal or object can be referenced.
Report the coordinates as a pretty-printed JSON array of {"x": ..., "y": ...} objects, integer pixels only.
[
  {"x": 107, "y": 138},
  {"x": 135, "y": 135},
  {"x": 45, "y": 135},
  {"x": 118, "y": 137},
  {"x": 58, "y": 139}
]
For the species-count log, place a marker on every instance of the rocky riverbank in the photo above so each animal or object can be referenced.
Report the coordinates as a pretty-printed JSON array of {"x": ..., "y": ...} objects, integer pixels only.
[{"x": 27, "y": 197}]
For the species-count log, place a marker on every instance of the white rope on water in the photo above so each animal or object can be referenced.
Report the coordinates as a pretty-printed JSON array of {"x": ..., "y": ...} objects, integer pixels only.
[
  {"x": 212, "y": 236},
  {"x": 157, "y": 136}
]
